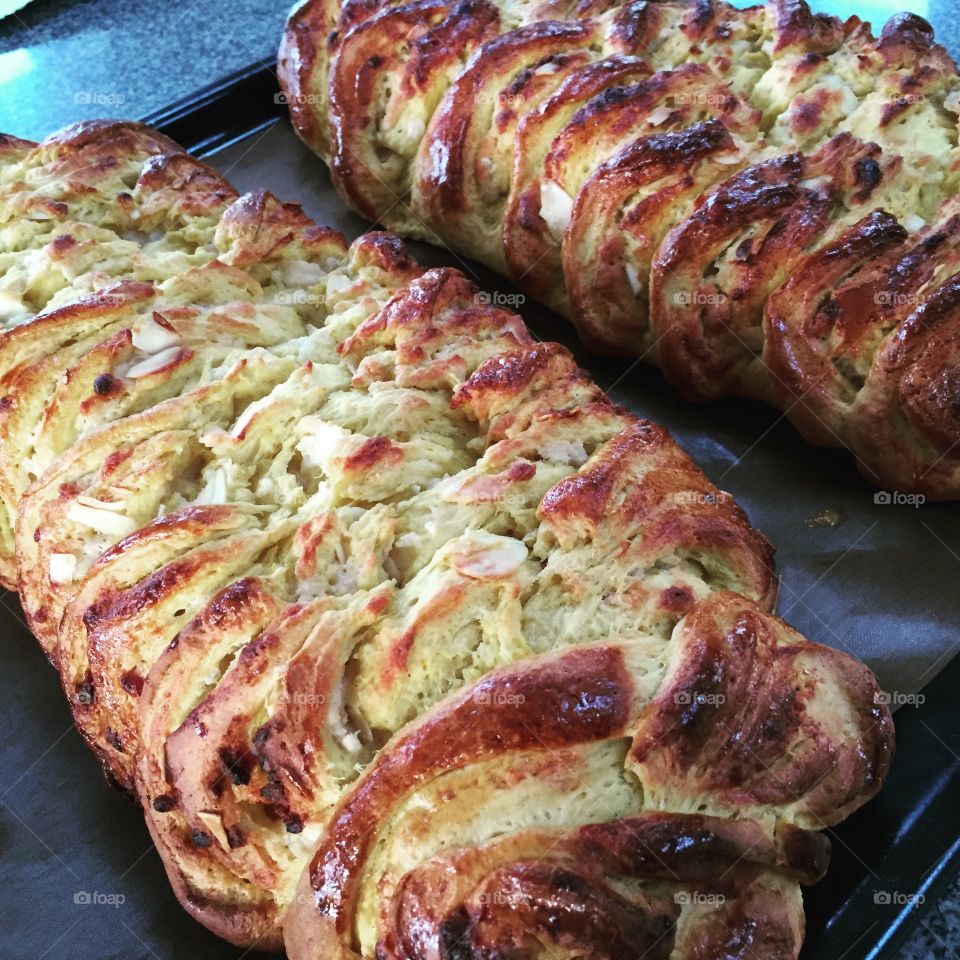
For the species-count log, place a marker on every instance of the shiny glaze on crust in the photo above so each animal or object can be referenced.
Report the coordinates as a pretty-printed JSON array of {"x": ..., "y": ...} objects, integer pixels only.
[
  {"x": 691, "y": 848},
  {"x": 846, "y": 318},
  {"x": 116, "y": 615},
  {"x": 762, "y": 688},
  {"x": 735, "y": 722},
  {"x": 242, "y": 609},
  {"x": 436, "y": 36},
  {"x": 585, "y": 695},
  {"x": 530, "y": 260},
  {"x": 782, "y": 78},
  {"x": 766, "y": 216},
  {"x": 515, "y": 388},
  {"x": 797, "y": 24},
  {"x": 426, "y": 321},
  {"x": 527, "y": 906},
  {"x": 441, "y": 189},
  {"x": 671, "y": 169},
  {"x": 873, "y": 299},
  {"x": 462, "y": 888}
]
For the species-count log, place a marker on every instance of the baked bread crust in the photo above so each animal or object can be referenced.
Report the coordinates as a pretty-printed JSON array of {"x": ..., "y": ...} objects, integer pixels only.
[
  {"x": 545, "y": 884},
  {"x": 101, "y": 204},
  {"x": 298, "y": 522},
  {"x": 580, "y": 150}
]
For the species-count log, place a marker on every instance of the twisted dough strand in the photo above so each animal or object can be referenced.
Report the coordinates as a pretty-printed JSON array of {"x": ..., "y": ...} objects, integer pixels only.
[
  {"x": 657, "y": 172},
  {"x": 352, "y": 584}
]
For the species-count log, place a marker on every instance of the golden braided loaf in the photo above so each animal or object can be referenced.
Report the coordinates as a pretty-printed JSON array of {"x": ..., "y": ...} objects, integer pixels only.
[
  {"x": 659, "y": 171},
  {"x": 334, "y": 557}
]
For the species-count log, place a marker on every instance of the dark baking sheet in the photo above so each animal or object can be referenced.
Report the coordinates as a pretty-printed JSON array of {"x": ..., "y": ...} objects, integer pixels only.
[{"x": 78, "y": 875}]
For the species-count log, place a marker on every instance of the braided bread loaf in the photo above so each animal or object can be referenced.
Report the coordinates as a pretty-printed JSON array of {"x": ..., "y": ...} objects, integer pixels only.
[
  {"x": 93, "y": 204},
  {"x": 657, "y": 171},
  {"x": 356, "y": 586}
]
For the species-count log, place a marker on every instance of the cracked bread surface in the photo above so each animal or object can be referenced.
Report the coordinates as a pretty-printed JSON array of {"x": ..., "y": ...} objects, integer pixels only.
[
  {"x": 325, "y": 547},
  {"x": 657, "y": 172}
]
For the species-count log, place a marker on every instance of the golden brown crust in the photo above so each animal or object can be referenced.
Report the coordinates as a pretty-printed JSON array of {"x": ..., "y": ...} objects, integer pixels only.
[
  {"x": 13, "y": 149},
  {"x": 534, "y": 154},
  {"x": 864, "y": 312},
  {"x": 609, "y": 228},
  {"x": 582, "y": 696},
  {"x": 295, "y": 510},
  {"x": 916, "y": 375},
  {"x": 746, "y": 680},
  {"x": 96, "y": 216},
  {"x": 855, "y": 315},
  {"x": 457, "y": 179},
  {"x": 424, "y": 41},
  {"x": 99, "y": 159},
  {"x": 303, "y": 67},
  {"x": 249, "y": 925},
  {"x": 573, "y": 700},
  {"x": 474, "y": 894},
  {"x": 529, "y": 260}
]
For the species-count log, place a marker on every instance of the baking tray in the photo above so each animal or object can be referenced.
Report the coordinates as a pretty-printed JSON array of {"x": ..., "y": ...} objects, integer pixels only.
[{"x": 78, "y": 875}]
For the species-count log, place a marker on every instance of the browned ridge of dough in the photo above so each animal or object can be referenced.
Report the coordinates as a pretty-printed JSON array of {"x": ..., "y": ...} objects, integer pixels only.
[
  {"x": 684, "y": 180},
  {"x": 409, "y": 641}
]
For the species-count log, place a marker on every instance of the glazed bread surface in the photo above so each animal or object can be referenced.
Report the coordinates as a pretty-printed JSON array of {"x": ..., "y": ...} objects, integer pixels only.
[
  {"x": 658, "y": 171},
  {"x": 409, "y": 641},
  {"x": 97, "y": 203}
]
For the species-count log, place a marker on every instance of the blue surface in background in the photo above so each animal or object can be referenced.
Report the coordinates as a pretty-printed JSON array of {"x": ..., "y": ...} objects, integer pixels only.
[{"x": 62, "y": 61}]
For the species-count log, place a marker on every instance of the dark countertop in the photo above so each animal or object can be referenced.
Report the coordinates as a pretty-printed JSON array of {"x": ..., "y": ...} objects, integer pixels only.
[
  {"x": 68, "y": 60},
  {"x": 65, "y": 60}
]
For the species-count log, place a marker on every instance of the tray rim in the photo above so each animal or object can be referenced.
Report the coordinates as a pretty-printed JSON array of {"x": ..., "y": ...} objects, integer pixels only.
[{"x": 247, "y": 101}]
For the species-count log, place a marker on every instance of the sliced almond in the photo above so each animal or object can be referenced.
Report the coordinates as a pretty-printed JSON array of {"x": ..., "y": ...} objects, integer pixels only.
[
  {"x": 100, "y": 504},
  {"x": 913, "y": 223},
  {"x": 62, "y": 567},
  {"x": 490, "y": 558},
  {"x": 556, "y": 207},
  {"x": 103, "y": 521},
  {"x": 154, "y": 364},
  {"x": 153, "y": 337},
  {"x": 214, "y": 824},
  {"x": 656, "y": 117}
]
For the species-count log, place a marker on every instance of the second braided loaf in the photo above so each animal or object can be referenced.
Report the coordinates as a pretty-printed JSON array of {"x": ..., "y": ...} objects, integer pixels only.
[{"x": 658, "y": 172}]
